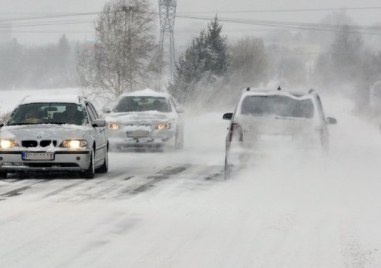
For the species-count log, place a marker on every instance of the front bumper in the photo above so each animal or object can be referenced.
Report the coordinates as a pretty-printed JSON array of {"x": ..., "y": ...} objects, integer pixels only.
[
  {"x": 121, "y": 139},
  {"x": 11, "y": 161}
]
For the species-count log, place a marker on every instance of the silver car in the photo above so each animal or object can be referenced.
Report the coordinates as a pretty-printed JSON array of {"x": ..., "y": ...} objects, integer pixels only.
[
  {"x": 267, "y": 119},
  {"x": 54, "y": 134},
  {"x": 145, "y": 119}
]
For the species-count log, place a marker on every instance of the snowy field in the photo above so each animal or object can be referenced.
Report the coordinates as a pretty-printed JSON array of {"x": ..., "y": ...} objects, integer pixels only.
[{"x": 175, "y": 210}]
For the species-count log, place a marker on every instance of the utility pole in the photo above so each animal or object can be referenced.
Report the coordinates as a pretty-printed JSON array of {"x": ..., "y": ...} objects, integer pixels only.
[{"x": 167, "y": 12}]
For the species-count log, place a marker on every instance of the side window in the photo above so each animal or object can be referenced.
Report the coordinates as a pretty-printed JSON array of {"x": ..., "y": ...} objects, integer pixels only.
[
  {"x": 94, "y": 110},
  {"x": 173, "y": 103},
  {"x": 92, "y": 115},
  {"x": 320, "y": 107}
]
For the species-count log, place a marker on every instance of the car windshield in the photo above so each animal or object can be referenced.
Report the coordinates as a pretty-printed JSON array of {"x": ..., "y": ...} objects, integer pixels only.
[
  {"x": 48, "y": 113},
  {"x": 142, "y": 104},
  {"x": 282, "y": 106}
]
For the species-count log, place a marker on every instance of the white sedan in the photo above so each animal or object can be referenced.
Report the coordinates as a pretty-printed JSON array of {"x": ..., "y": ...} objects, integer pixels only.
[
  {"x": 46, "y": 134},
  {"x": 145, "y": 119}
]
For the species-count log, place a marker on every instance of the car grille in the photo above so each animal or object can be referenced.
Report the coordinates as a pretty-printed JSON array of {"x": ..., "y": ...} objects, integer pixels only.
[{"x": 34, "y": 143}]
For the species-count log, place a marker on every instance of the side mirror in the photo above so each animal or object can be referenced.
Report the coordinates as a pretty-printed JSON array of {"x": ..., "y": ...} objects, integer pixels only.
[
  {"x": 106, "y": 110},
  {"x": 228, "y": 116},
  {"x": 331, "y": 121},
  {"x": 1, "y": 125},
  {"x": 99, "y": 123},
  {"x": 179, "y": 110}
]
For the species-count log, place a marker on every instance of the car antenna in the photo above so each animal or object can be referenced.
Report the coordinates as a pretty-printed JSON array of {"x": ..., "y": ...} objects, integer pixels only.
[
  {"x": 248, "y": 89},
  {"x": 311, "y": 91},
  {"x": 279, "y": 88}
]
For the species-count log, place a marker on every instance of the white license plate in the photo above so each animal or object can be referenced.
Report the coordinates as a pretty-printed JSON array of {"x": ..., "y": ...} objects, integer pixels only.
[
  {"x": 138, "y": 134},
  {"x": 37, "y": 156}
]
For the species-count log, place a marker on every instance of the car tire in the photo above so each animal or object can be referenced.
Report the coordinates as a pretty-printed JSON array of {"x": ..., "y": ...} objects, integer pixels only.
[
  {"x": 179, "y": 141},
  {"x": 90, "y": 172},
  {"x": 3, "y": 175},
  {"x": 104, "y": 167}
]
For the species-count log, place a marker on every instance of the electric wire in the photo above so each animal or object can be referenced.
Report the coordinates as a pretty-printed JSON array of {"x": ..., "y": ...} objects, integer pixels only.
[{"x": 42, "y": 21}]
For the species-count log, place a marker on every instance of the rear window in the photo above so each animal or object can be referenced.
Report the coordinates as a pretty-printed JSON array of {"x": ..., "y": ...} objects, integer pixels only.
[{"x": 282, "y": 106}]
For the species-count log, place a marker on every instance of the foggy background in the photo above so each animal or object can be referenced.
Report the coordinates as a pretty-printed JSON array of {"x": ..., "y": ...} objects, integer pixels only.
[
  {"x": 37, "y": 35},
  {"x": 39, "y": 41}
]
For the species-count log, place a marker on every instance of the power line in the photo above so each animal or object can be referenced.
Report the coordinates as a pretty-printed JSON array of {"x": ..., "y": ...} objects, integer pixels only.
[
  {"x": 294, "y": 25},
  {"x": 77, "y": 14},
  {"x": 282, "y": 10},
  {"x": 63, "y": 15},
  {"x": 49, "y": 32},
  {"x": 46, "y": 23},
  {"x": 373, "y": 30}
]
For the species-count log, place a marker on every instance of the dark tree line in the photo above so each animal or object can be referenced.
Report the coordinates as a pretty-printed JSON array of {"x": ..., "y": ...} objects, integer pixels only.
[{"x": 37, "y": 66}]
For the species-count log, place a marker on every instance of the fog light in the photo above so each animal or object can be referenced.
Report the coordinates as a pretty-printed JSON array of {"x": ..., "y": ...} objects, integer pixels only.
[
  {"x": 163, "y": 126},
  {"x": 113, "y": 126}
]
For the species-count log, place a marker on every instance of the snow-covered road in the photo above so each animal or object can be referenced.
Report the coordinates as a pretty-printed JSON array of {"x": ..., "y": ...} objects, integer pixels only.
[{"x": 174, "y": 209}]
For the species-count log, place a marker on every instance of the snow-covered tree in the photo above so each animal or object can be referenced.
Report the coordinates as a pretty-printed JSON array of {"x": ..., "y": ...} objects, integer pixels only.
[
  {"x": 217, "y": 56},
  {"x": 206, "y": 60}
]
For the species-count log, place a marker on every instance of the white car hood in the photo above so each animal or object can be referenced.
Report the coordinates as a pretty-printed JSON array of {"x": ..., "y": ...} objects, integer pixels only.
[{"x": 43, "y": 132}]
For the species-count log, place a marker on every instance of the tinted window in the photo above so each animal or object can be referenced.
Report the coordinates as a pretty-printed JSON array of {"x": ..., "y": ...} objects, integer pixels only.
[
  {"x": 48, "y": 113},
  {"x": 92, "y": 112},
  {"x": 141, "y": 104},
  {"x": 277, "y": 105}
]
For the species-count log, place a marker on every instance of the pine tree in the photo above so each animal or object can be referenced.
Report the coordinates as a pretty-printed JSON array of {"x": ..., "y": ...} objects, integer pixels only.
[
  {"x": 218, "y": 55},
  {"x": 206, "y": 59}
]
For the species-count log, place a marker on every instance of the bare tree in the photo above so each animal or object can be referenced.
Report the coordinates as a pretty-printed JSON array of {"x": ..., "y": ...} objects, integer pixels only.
[
  {"x": 249, "y": 62},
  {"x": 120, "y": 59}
]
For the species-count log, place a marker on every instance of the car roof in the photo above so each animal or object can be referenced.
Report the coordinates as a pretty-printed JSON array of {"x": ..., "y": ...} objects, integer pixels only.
[
  {"x": 146, "y": 92},
  {"x": 279, "y": 92},
  {"x": 53, "y": 99}
]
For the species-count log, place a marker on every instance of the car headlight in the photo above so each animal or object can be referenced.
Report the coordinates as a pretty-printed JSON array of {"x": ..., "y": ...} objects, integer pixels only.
[
  {"x": 163, "y": 126},
  {"x": 74, "y": 144},
  {"x": 7, "y": 144},
  {"x": 113, "y": 126}
]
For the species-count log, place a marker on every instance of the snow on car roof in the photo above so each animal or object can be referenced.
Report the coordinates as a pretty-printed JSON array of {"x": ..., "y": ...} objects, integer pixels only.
[
  {"x": 146, "y": 92},
  {"x": 52, "y": 99},
  {"x": 263, "y": 92}
]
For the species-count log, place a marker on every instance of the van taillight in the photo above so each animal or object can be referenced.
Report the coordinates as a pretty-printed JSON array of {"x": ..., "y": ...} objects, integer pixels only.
[{"x": 236, "y": 133}]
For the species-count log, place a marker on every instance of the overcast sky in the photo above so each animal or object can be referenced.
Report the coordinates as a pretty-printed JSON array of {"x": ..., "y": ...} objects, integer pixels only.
[{"x": 185, "y": 29}]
